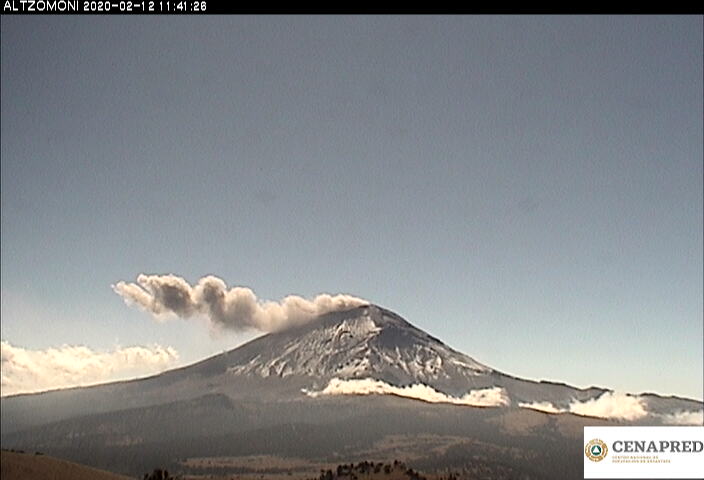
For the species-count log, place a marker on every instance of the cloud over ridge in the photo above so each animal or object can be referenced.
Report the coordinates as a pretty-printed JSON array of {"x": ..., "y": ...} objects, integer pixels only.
[
  {"x": 28, "y": 371},
  {"x": 233, "y": 308},
  {"x": 608, "y": 405},
  {"x": 545, "y": 407},
  {"x": 611, "y": 405},
  {"x": 619, "y": 406},
  {"x": 684, "y": 417},
  {"x": 487, "y": 397}
]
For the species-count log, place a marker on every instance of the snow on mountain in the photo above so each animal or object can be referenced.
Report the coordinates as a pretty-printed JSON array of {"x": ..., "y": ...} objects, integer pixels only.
[
  {"x": 367, "y": 342},
  {"x": 365, "y": 350},
  {"x": 371, "y": 350}
]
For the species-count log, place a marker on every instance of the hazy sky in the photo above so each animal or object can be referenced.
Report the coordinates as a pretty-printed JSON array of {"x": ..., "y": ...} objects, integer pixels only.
[{"x": 527, "y": 189}]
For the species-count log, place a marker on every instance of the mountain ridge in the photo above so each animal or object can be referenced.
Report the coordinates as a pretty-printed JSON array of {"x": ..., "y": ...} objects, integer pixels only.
[
  {"x": 365, "y": 342},
  {"x": 340, "y": 383},
  {"x": 380, "y": 314}
]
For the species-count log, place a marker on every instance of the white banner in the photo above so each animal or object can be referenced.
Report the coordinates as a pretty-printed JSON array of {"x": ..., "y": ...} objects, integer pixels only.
[{"x": 643, "y": 452}]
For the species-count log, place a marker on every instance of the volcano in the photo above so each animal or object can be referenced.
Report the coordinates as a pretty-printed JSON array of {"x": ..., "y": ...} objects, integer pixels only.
[{"x": 332, "y": 388}]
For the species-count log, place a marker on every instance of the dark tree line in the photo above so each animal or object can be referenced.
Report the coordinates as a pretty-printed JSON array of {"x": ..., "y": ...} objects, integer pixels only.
[{"x": 158, "y": 474}]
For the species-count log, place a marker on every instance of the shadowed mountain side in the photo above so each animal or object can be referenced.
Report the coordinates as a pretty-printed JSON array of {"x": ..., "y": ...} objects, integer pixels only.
[
  {"x": 28, "y": 466},
  {"x": 132, "y": 440}
]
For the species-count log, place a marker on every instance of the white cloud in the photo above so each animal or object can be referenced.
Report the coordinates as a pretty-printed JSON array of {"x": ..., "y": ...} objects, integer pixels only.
[
  {"x": 619, "y": 406},
  {"x": 611, "y": 405},
  {"x": 235, "y": 308},
  {"x": 546, "y": 407},
  {"x": 26, "y": 371},
  {"x": 488, "y": 397},
  {"x": 692, "y": 417}
]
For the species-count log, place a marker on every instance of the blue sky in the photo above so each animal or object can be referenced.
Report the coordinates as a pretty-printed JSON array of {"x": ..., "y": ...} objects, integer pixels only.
[{"x": 528, "y": 189}]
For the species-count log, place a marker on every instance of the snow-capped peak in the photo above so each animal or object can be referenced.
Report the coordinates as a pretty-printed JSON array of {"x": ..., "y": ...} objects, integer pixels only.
[{"x": 365, "y": 342}]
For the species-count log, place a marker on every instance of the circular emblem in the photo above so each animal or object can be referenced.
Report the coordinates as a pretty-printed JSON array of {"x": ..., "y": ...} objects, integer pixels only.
[{"x": 596, "y": 450}]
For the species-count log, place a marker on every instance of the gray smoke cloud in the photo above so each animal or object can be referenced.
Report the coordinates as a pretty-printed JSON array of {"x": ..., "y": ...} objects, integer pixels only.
[{"x": 236, "y": 308}]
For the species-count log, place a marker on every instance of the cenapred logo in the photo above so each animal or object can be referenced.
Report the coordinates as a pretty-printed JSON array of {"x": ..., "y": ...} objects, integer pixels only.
[
  {"x": 596, "y": 450},
  {"x": 665, "y": 452}
]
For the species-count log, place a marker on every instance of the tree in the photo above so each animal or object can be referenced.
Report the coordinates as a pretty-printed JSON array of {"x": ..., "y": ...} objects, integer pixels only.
[{"x": 158, "y": 474}]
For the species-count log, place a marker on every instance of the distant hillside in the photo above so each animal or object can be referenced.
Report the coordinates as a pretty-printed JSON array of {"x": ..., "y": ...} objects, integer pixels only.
[{"x": 31, "y": 466}]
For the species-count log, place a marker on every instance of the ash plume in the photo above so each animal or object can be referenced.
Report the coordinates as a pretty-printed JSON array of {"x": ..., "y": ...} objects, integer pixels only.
[{"x": 233, "y": 308}]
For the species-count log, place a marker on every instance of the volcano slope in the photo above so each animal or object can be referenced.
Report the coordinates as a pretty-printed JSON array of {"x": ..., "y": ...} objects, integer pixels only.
[{"x": 343, "y": 387}]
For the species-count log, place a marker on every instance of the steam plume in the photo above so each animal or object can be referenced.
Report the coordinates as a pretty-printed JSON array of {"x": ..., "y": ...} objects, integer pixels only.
[{"x": 236, "y": 308}]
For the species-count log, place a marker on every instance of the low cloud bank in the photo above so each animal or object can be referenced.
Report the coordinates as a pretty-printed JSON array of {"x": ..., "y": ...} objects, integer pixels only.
[
  {"x": 619, "y": 406},
  {"x": 488, "y": 397},
  {"x": 611, "y": 405},
  {"x": 692, "y": 417},
  {"x": 546, "y": 407},
  {"x": 28, "y": 371},
  {"x": 234, "y": 308}
]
